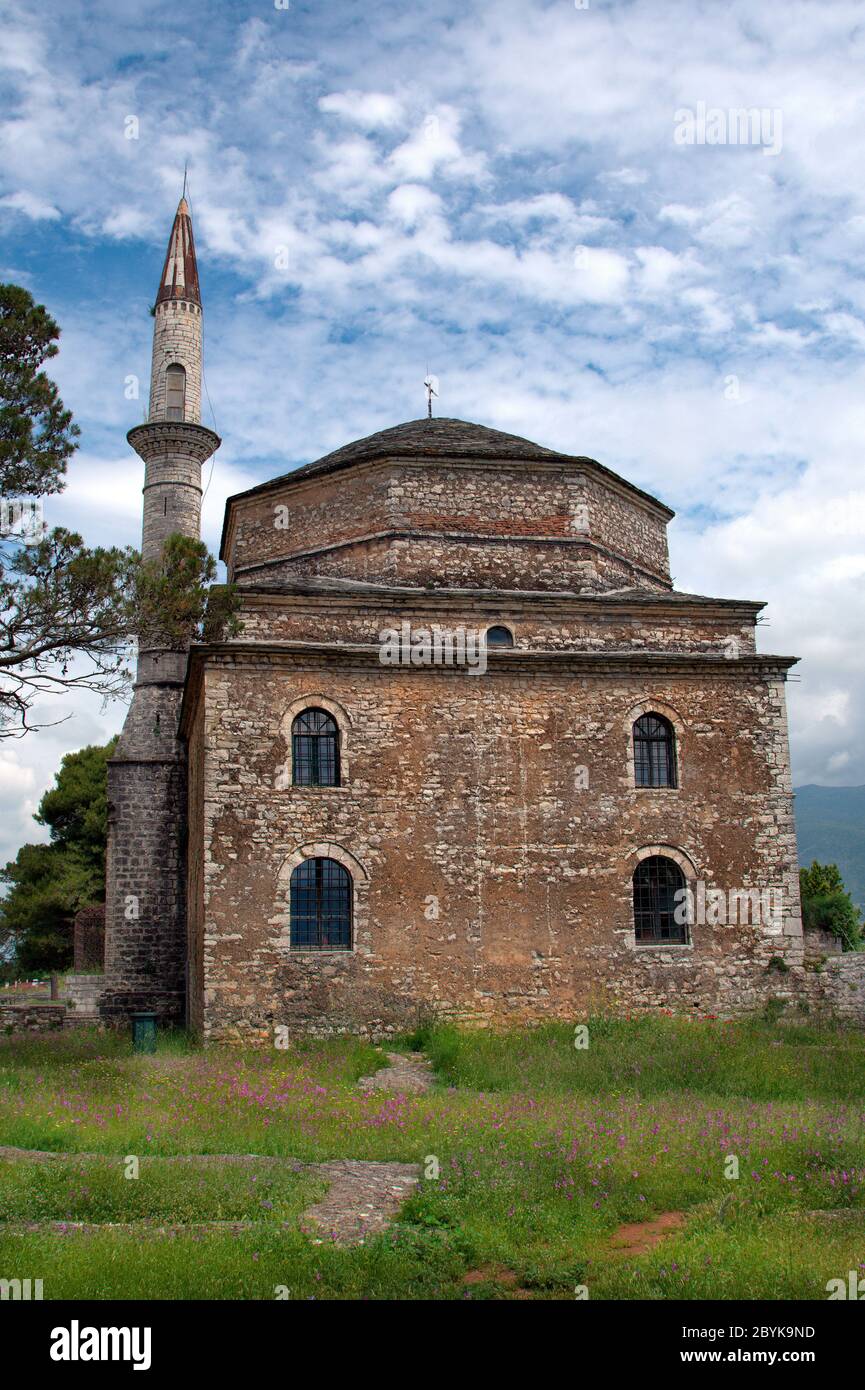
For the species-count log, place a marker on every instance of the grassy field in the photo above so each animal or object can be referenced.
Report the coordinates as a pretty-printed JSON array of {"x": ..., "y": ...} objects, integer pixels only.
[{"x": 542, "y": 1150}]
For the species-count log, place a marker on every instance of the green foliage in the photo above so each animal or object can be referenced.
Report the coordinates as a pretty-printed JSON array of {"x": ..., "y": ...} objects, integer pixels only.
[
  {"x": 37, "y": 435},
  {"x": 176, "y": 601},
  {"x": 60, "y": 601},
  {"x": 820, "y": 880},
  {"x": 826, "y": 906},
  {"x": 75, "y": 809},
  {"x": 49, "y": 883},
  {"x": 100, "y": 1192},
  {"x": 655, "y": 1056}
]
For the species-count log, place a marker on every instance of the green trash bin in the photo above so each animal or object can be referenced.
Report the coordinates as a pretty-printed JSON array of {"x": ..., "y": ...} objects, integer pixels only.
[{"x": 144, "y": 1032}]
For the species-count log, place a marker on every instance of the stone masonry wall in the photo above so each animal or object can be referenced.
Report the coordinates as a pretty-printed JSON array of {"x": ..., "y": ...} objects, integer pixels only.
[
  {"x": 82, "y": 993},
  {"x": 445, "y": 561},
  {"x": 145, "y": 956},
  {"x": 31, "y": 1018},
  {"x": 479, "y": 524},
  {"x": 570, "y": 627},
  {"x": 837, "y": 989},
  {"x": 88, "y": 938},
  {"x": 490, "y": 882},
  {"x": 195, "y": 875},
  {"x": 176, "y": 338}
]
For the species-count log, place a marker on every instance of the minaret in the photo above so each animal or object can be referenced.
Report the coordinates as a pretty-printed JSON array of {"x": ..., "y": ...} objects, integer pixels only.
[{"x": 145, "y": 906}]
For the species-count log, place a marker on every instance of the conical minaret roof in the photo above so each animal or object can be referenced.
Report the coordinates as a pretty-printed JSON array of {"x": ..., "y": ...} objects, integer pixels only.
[{"x": 180, "y": 271}]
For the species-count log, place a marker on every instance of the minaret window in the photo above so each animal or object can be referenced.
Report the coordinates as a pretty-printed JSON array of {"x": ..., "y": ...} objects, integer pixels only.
[{"x": 175, "y": 392}]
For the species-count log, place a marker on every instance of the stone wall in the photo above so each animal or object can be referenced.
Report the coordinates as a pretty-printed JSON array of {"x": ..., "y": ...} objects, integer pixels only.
[
  {"x": 81, "y": 994},
  {"x": 195, "y": 878},
  {"x": 835, "y": 989},
  {"x": 579, "y": 624},
  {"x": 145, "y": 956},
  {"x": 494, "y": 524},
  {"x": 173, "y": 454},
  {"x": 31, "y": 1018},
  {"x": 177, "y": 338},
  {"x": 88, "y": 938},
  {"x": 490, "y": 883}
]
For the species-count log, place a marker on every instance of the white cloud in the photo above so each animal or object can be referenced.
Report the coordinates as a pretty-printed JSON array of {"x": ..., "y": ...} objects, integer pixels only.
[
  {"x": 371, "y": 110},
  {"x": 478, "y": 195},
  {"x": 435, "y": 147},
  {"x": 31, "y": 205}
]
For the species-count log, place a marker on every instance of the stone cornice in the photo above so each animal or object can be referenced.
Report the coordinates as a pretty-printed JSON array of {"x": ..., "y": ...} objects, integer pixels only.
[
  {"x": 618, "y": 602},
  {"x": 270, "y": 655},
  {"x": 168, "y": 438}
]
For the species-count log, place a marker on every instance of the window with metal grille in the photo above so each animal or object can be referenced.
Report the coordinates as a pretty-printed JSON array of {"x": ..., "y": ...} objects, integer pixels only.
[
  {"x": 654, "y": 752},
  {"x": 320, "y": 892},
  {"x": 175, "y": 392},
  {"x": 315, "y": 750},
  {"x": 657, "y": 880},
  {"x": 499, "y": 637}
]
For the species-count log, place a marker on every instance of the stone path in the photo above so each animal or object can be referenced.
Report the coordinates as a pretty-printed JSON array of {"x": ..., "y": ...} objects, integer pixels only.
[
  {"x": 362, "y": 1197},
  {"x": 408, "y": 1073}
]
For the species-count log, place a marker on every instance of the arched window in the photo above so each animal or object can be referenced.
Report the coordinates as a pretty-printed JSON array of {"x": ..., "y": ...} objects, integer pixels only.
[
  {"x": 315, "y": 750},
  {"x": 175, "y": 392},
  {"x": 320, "y": 899},
  {"x": 654, "y": 752},
  {"x": 657, "y": 880},
  {"x": 499, "y": 637}
]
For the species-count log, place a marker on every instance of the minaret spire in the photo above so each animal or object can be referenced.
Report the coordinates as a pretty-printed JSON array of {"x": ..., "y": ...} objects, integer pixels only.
[{"x": 180, "y": 271}]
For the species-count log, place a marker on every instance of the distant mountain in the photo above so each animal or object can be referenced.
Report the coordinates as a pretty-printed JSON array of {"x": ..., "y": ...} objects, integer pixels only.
[{"x": 830, "y": 827}]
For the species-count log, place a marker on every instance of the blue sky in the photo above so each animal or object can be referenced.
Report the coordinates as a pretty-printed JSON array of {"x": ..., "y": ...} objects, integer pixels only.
[{"x": 494, "y": 191}]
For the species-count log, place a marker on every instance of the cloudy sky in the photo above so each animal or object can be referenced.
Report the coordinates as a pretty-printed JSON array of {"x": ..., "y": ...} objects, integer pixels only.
[{"x": 547, "y": 204}]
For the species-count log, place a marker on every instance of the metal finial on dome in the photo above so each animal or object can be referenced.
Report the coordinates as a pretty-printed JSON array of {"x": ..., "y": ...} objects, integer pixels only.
[{"x": 431, "y": 384}]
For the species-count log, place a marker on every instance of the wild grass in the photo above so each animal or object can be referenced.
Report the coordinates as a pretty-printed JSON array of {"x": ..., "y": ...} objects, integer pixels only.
[
  {"x": 541, "y": 1150},
  {"x": 655, "y": 1056},
  {"x": 79, "y": 1190}
]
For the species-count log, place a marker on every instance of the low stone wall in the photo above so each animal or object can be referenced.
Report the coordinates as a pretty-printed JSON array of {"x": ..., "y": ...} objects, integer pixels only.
[
  {"x": 829, "y": 989},
  {"x": 81, "y": 994},
  {"x": 31, "y": 1018},
  {"x": 818, "y": 944},
  {"x": 836, "y": 988}
]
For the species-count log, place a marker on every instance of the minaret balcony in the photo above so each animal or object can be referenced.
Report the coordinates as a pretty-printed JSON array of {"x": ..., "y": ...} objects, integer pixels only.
[{"x": 173, "y": 438}]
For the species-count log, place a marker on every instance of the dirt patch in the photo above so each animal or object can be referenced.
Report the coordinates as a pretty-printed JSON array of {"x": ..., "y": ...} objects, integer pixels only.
[
  {"x": 499, "y": 1275},
  {"x": 638, "y": 1237},
  {"x": 491, "y": 1274}
]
